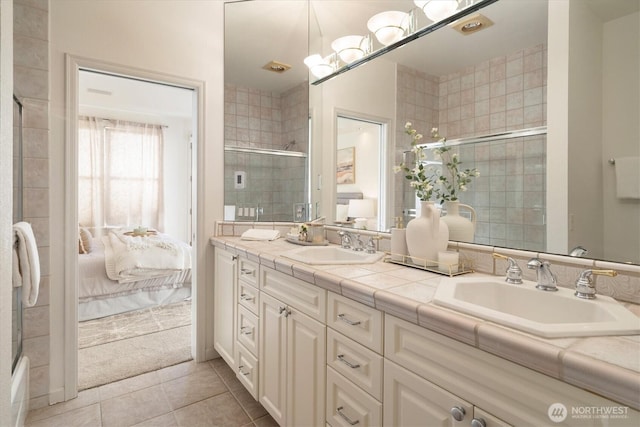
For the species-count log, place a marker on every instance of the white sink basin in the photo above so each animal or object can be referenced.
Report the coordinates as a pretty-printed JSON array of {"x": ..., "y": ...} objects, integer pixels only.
[
  {"x": 546, "y": 314},
  {"x": 332, "y": 255}
]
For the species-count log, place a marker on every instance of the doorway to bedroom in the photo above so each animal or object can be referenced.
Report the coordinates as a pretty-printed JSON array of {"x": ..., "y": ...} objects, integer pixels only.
[{"x": 134, "y": 152}]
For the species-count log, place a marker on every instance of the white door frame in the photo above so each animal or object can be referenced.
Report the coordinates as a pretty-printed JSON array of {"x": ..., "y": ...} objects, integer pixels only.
[{"x": 70, "y": 315}]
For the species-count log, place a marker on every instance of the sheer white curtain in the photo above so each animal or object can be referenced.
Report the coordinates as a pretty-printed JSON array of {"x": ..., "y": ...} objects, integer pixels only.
[{"x": 119, "y": 173}]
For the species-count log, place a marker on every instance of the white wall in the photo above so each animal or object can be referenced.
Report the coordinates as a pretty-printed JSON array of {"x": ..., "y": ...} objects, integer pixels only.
[
  {"x": 620, "y": 133},
  {"x": 585, "y": 130},
  {"x": 351, "y": 93},
  {"x": 176, "y": 38}
]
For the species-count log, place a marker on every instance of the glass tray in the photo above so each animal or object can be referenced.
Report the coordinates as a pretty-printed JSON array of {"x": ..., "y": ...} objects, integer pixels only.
[{"x": 462, "y": 267}]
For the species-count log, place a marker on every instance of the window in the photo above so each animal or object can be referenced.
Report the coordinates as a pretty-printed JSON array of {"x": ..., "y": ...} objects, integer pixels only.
[{"x": 119, "y": 173}]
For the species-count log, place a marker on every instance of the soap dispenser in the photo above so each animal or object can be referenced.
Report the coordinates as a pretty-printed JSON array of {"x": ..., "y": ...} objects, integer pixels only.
[{"x": 398, "y": 240}]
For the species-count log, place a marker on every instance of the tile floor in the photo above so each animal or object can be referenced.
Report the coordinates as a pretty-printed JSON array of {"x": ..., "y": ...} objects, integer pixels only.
[{"x": 189, "y": 394}]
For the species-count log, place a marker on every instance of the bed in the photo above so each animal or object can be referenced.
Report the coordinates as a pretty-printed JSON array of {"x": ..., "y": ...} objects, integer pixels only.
[{"x": 102, "y": 294}]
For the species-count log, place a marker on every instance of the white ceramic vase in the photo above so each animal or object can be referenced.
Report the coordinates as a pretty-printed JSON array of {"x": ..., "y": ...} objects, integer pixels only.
[
  {"x": 427, "y": 235},
  {"x": 461, "y": 229}
]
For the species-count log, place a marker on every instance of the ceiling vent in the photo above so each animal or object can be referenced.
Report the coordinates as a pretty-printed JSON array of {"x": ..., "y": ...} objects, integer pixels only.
[
  {"x": 276, "y": 67},
  {"x": 472, "y": 24}
]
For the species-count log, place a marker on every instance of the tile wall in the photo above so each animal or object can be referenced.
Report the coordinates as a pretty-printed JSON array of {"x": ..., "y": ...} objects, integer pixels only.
[
  {"x": 31, "y": 85},
  {"x": 504, "y": 93},
  {"x": 261, "y": 119}
]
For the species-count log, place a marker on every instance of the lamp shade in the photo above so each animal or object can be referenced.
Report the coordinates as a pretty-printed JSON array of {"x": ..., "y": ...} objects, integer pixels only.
[
  {"x": 350, "y": 48},
  {"x": 319, "y": 66},
  {"x": 437, "y": 10},
  {"x": 389, "y": 27},
  {"x": 361, "y": 208}
]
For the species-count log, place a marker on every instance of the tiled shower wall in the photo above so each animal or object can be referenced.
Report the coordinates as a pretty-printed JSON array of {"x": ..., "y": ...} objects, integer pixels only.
[
  {"x": 504, "y": 93},
  {"x": 31, "y": 65},
  {"x": 261, "y": 119},
  {"x": 273, "y": 185}
]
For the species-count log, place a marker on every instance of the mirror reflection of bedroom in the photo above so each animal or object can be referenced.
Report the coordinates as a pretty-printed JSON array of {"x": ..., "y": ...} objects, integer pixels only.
[{"x": 134, "y": 252}]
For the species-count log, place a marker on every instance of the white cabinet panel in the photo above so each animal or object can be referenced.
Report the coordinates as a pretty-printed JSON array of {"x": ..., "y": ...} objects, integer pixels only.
[
  {"x": 414, "y": 401},
  {"x": 247, "y": 371},
  {"x": 355, "y": 320},
  {"x": 224, "y": 294},
  {"x": 248, "y": 296},
  {"x": 347, "y": 405},
  {"x": 248, "y": 330},
  {"x": 356, "y": 362},
  {"x": 308, "y": 298}
]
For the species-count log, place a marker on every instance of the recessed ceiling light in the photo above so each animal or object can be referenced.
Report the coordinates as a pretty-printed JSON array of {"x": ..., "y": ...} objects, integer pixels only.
[
  {"x": 276, "y": 66},
  {"x": 471, "y": 24}
]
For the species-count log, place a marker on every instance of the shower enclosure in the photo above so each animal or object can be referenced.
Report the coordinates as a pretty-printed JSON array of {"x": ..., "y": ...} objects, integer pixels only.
[
  {"x": 266, "y": 185},
  {"x": 509, "y": 196}
]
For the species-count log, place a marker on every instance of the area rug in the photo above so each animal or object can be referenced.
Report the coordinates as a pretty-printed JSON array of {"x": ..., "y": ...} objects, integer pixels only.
[{"x": 130, "y": 344}]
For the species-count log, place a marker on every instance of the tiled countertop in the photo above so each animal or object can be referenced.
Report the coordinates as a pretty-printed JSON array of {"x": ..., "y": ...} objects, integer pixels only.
[{"x": 609, "y": 366}]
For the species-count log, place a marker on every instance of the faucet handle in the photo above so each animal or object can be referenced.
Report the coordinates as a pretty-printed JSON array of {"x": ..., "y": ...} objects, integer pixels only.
[
  {"x": 371, "y": 246},
  {"x": 584, "y": 284},
  {"x": 345, "y": 239},
  {"x": 514, "y": 272}
]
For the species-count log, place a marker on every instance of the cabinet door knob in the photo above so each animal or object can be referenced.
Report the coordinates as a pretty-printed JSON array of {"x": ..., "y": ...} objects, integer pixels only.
[
  {"x": 458, "y": 413},
  {"x": 344, "y": 417},
  {"x": 234, "y": 257},
  {"x": 344, "y": 318},
  {"x": 285, "y": 311},
  {"x": 478, "y": 422}
]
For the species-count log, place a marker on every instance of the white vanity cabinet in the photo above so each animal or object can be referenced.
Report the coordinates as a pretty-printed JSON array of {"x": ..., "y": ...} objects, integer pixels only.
[
  {"x": 224, "y": 313},
  {"x": 428, "y": 373},
  {"x": 292, "y": 348}
]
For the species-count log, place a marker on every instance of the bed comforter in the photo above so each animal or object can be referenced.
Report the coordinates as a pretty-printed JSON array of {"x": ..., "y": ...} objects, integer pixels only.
[{"x": 133, "y": 258}]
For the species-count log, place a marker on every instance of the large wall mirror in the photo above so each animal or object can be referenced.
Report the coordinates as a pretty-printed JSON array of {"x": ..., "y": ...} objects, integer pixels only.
[{"x": 565, "y": 70}]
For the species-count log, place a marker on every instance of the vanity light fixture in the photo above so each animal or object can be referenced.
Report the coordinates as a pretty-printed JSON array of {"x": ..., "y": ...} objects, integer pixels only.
[
  {"x": 437, "y": 10},
  {"x": 351, "y": 48},
  {"x": 389, "y": 27},
  {"x": 319, "y": 66}
]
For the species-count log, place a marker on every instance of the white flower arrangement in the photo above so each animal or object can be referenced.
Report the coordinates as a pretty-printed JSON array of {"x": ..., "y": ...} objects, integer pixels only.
[{"x": 426, "y": 181}]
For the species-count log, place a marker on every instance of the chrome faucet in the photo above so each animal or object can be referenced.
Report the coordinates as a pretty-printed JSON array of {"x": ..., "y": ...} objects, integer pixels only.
[
  {"x": 346, "y": 239},
  {"x": 547, "y": 281},
  {"x": 584, "y": 285},
  {"x": 514, "y": 272},
  {"x": 351, "y": 241},
  {"x": 371, "y": 246}
]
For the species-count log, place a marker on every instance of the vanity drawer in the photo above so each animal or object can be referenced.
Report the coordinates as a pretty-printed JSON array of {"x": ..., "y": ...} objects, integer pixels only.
[
  {"x": 356, "y": 362},
  {"x": 247, "y": 370},
  {"x": 355, "y": 320},
  {"x": 248, "y": 271},
  {"x": 248, "y": 330},
  {"x": 309, "y": 299},
  {"x": 248, "y": 296},
  {"x": 347, "y": 405}
]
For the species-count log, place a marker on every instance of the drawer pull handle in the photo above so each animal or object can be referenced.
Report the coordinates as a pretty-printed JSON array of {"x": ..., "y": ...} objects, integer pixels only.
[
  {"x": 246, "y": 297},
  {"x": 344, "y": 417},
  {"x": 347, "y": 321},
  {"x": 245, "y": 330},
  {"x": 240, "y": 370},
  {"x": 246, "y": 271},
  {"x": 346, "y": 362},
  {"x": 285, "y": 311}
]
